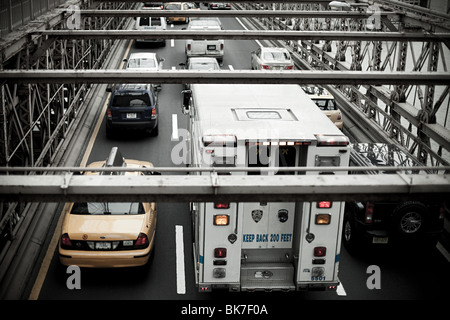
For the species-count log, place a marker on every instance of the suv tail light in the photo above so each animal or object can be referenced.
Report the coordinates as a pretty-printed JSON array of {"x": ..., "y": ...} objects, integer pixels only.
[
  {"x": 369, "y": 213},
  {"x": 220, "y": 252},
  {"x": 109, "y": 113},
  {"x": 154, "y": 113}
]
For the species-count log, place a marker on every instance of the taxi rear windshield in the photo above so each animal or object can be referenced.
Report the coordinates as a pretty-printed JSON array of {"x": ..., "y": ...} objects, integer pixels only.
[{"x": 107, "y": 208}]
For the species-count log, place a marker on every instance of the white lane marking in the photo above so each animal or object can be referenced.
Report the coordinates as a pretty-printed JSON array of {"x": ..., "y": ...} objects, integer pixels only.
[
  {"x": 172, "y": 43},
  {"x": 230, "y": 67},
  {"x": 181, "y": 281},
  {"x": 340, "y": 290},
  {"x": 175, "y": 136},
  {"x": 243, "y": 26}
]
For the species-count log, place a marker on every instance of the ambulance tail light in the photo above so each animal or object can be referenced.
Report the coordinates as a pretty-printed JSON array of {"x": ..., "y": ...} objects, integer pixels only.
[
  {"x": 220, "y": 252},
  {"x": 320, "y": 251},
  {"x": 221, "y": 220},
  {"x": 221, "y": 205},
  {"x": 327, "y": 141},
  {"x": 323, "y": 218},
  {"x": 324, "y": 204},
  {"x": 368, "y": 218}
]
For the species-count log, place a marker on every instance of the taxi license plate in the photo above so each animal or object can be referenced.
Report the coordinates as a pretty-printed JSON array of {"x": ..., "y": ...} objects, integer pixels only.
[
  {"x": 381, "y": 240},
  {"x": 103, "y": 245},
  {"x": 211, "y": 47},
  {"x": 131, "y": 115}
]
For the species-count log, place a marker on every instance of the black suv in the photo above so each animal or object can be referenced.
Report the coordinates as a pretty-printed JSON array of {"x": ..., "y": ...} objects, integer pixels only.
[
  {"x": 384, "y": 222},
  {"x": 132, "y": 106}
]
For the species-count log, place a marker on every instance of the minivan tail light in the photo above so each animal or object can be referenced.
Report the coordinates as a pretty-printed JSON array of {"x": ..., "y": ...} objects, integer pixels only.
[{"x": 369, "y": 213}]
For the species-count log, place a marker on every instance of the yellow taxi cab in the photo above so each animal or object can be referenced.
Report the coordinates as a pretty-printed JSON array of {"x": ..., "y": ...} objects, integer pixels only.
[
  {"x": 325, "y": 101},
  {"x": 109, "y": 234},
  {"x": 180, "y": 6}
]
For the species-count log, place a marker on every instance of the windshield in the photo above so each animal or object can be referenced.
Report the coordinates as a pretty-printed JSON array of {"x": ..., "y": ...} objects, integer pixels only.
[
  {"x": 325, "y": 104},
  {"x": 141, "y": 63},
  {"x": 131, "y": 100},
  {"x": 203, "y": 66},
  {"x": 173, "y": 6},
  {"x": 113, "y": 208},
  {"x": 276, "y": 56}
]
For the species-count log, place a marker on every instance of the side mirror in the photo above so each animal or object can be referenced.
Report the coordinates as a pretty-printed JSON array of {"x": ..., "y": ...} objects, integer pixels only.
[{"x": 185, "y": 98}]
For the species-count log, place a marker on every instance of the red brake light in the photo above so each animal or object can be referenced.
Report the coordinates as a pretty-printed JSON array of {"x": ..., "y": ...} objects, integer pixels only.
[
  {"x": 221, "y": 46},
  {"x": 221, "y": 205},
  {"x": 320, "y": 251},
  {"x": 189, "y": 46},
  {"x": 263, "y": 66},
  {"x": 108, "y": 113},
  {"x": 369, "y": 213},
  {"x": 289, "y": 67},
  {"x": 220, "y": 252},
  {"x": 324, "y": 204},
  {"x": 65, "y": 241},
  {"x": 142, "y": 241}
]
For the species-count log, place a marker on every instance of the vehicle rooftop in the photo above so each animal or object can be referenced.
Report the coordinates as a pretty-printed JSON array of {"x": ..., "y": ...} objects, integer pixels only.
[{"x": 232, "y": 109}]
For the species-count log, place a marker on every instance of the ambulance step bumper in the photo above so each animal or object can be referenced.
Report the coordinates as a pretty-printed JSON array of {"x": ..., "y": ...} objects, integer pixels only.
[{"x": 267, "y": 277}]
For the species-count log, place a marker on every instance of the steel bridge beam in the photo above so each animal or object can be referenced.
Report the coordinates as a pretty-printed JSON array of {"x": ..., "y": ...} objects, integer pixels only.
[
  {"x": 244, "y": 35},
  {"x": 232, "y": 13},
  {"x": 225, "y": 76},
  {"x": 212, "y": 187}
]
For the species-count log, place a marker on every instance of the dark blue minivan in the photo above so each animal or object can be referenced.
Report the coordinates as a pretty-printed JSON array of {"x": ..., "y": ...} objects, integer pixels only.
[{"x": 132, "y": 106}]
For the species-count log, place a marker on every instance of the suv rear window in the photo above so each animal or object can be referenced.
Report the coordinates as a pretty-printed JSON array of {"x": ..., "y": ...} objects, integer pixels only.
[
  {"x": 131, "y": 100},
  {"x": 100, "y": 208}
]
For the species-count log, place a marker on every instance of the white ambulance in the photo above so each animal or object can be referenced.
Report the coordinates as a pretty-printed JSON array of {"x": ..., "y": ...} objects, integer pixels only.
[{"x": 264, "y": 246}]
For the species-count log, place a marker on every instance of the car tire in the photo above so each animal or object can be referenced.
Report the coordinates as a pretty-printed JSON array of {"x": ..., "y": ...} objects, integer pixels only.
[
  {"x": 350, "y": 237},
  {"x": 155, "y": 131},
  {"x": 408, "y": 219}
]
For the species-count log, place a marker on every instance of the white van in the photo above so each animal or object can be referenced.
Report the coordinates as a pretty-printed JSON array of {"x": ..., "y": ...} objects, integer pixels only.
[{"x": 151, "y": 23}]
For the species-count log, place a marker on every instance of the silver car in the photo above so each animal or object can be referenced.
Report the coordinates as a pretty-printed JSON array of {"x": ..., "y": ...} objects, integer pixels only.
[
  {"x": 271, "y": 58},
  {"x": 145, "y": 61},
  {"x": 200, "y": 63}
]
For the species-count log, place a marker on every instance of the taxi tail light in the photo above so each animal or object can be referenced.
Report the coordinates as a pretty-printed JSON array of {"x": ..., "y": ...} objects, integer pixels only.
[
  {"x": 263, "y": 66},
  {"x": 339, "y": 117},
  {"x": 369, "y": 213},
  {"x": 220, "y": 252},
  {"x": 142, "y": 241},
  {"x": 65, "y": 241}
]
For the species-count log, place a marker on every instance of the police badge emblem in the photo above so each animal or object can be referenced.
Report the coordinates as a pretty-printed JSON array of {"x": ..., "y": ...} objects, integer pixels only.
[{"x": 257, "y": 215}]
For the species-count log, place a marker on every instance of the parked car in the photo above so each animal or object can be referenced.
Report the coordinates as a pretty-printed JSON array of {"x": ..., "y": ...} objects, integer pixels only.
[
  {"x": 325, "y": 101},
  {"x": 219, "y": 6},
  {"x": 205, "y": 47},
  {"x": 132, "y": 107},
  {"x": 151, "y": 23},
  {"x": 109, "y": 234},
  {"x": 180, "y": 6},
  {"x": 381, "y": 222},
  {"x": 153, "y": 5},
  {"x": 145, "y": 61},
  {"x": 271, "y": 58}
]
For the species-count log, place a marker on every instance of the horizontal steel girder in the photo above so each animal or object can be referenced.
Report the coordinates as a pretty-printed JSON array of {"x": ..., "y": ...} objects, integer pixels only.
[
  {"x": 212, "y": 187},
  {"x": 226, "y": 76},
  {"x": 244, "y": 35},
  {"x": 232, "y": 13}
]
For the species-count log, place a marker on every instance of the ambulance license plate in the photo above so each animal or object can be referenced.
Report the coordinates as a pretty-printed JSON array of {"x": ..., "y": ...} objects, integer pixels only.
[
  {"x": 131, "y": 116},
  {"x": 103, "y": 245},
  {"x": 380, "y": 240}
]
